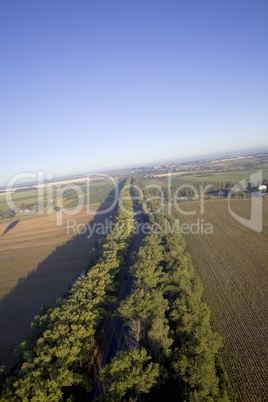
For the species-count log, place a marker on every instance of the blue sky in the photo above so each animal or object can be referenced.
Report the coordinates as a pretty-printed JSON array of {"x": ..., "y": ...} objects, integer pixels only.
[{"x": 91, "y": 85}]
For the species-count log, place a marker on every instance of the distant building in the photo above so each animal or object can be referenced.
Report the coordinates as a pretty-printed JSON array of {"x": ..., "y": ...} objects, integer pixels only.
[
  {"x": 220, "y": 192},
  {"x": 262, "y": 187}
]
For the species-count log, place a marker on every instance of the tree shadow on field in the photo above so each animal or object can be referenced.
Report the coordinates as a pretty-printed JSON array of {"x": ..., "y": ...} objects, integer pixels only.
[
  {"x": 9, "y": 227},
  {"x": 50, "y": 280}
]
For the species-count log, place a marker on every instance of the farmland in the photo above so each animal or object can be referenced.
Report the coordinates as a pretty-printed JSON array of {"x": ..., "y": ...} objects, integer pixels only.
[
  {"x": 198, "y": 177},
  {"x": 98, "y": 192},
  {"x": 39, "y": 261},
  {"x": 232, "y": 264}
]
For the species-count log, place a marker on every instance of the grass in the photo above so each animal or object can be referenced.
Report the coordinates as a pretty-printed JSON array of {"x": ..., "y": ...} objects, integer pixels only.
[
  {"x": 224, "y": 171},
  {"x": 234, "y": 176},
  {"x": 98, "y": 192},
  {"x": 208, "y": 177},
  {"x": 232, "y": 264},
  {"x": 28, "y": 197}
]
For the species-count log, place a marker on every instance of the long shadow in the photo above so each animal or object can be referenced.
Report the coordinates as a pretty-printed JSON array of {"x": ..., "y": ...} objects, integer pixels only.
[
  {"x": 49, "y": 281},
  {"x": 9, "y": 227}
]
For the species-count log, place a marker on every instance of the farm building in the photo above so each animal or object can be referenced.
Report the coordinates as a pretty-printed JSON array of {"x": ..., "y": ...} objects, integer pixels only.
[{"x": 262, "y": 187}]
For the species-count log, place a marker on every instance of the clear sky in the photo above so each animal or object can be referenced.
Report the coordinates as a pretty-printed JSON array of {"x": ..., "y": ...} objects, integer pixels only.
[{"x": 90, "y": 85}]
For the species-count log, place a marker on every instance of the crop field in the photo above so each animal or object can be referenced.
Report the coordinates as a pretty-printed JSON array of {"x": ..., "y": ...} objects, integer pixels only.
[
  {"x": 232, "y": 264},
  {"x": 98, "y": 192},
  {"x": 208, "y": 177},
  {"x": 95, "y": 193},
  {"x": 18, "y": 198},
  {"x": 234, "y": 176},
  {"x": 38, "y": 262}
]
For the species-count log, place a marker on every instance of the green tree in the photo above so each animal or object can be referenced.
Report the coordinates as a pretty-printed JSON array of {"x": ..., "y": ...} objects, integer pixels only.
[
  {"x": 54, "y": 359},
  {"x": 129, "y": 375},
  {"x": 147, "y": 269},
  {"x": 8, "y": 214}
]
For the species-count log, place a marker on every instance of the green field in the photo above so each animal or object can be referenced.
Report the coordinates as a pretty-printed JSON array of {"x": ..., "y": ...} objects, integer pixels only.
[
  {"x": 18, "y": 198},
  {"x": 201, "y": 177},
  {"x": 98, "y": 192}
]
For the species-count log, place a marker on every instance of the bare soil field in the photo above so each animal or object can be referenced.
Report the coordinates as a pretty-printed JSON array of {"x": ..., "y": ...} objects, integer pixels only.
[
  {"x": 38, "y": 262},
  {"x": 232, "y": 264}
]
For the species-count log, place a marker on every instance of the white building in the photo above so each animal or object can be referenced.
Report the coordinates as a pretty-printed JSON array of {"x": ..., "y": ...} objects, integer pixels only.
[{"x": 262, "y": 187}]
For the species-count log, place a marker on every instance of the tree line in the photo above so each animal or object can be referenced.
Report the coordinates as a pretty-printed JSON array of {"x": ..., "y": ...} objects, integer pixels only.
[
  {"x": 171, "y": 353},
  {"x": 190, "y": 189},
  {"x": 52, "y": 363}
]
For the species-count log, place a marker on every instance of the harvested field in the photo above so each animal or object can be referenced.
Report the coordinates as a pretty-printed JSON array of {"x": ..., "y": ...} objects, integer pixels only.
[
  {"x": 232, "y": 264},
  {"x": 38, "y": 262},
  {"x": 170, "y": 174}
]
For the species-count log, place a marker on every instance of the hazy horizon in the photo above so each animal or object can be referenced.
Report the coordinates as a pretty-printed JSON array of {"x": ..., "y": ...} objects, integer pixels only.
[{"x": 194, "y": 158}]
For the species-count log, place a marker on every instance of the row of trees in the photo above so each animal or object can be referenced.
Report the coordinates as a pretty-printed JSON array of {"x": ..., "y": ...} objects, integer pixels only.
[
  {"x": 172, "y": 350},
  {"x": 190, "y": 189},
  {"x": 28, "y": 206},
  {"x": 6, "y": 214},
  {"x": 53, "y": 361}
]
